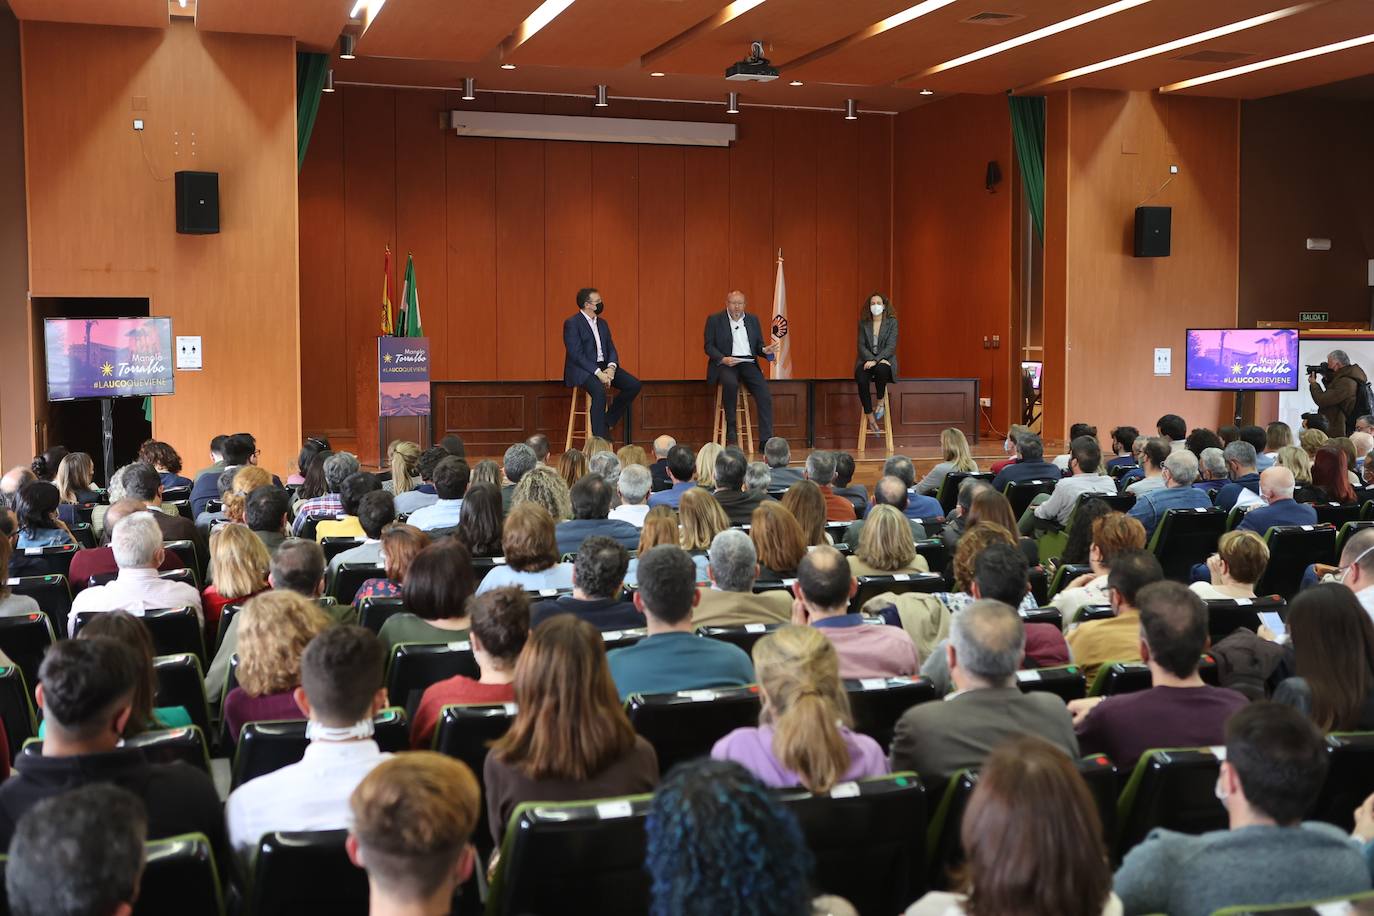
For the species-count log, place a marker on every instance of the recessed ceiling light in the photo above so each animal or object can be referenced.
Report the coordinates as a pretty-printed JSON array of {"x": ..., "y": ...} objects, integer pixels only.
[
  {"x": 1272, "y": 62},
  {"x": 927, "y": 92},
  {"x": 543, "y": 14},
  {"x": 795, "y": 83},
  {"x": 508, "y": 66},
  {"x": 658, "y": 73},
  {"x": 357, "y": 9}
]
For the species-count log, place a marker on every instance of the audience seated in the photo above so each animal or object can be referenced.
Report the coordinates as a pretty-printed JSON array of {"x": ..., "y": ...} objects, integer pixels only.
[
  {"x": 1356, "y": 570},
  {"x": 954, "y": 456},
  {"x": 137, "y": 547},
  {"x": 12, "y": 605},
  {"x": 701, "y": 518},
  {"x": 265, "y": 513},
  {"x": 659, "y": 468},
  {"x": 338, "y": 467},
  {"x": 1116, "y": 639},
  {"x": 844, "y": 476},
  {"x": 500, "y": 626},
  {"x": 10, "y": 483},
  {"x": 778, "y": 539},
  {"x": 89, "y": 844},
  {"x": 823, "y": 589},
  {"x": 1009, "y": 447},
  {"x": 75, "y": 480},
  {"x": 351, "y": 493},
  {"x": 1055, "y": 511},
  {"x": 777, "y": 452},
  {"x": 437, "y": 588},
  {"x": 591, "y": 508},
  {"x": 986, "y": 646},
  {"x": 1276, "y": 487},
  {"x": 1259, "y": 441},
  {"x": 977, "y": 540},
  {"x": 1030, "y": 464},
  {"x": 1238, "y": 564},
  {"x": 607, "y": 466},
  {"x": 1314, "y": 434},
  {"x": 1173, "y": 428},
  {"x": 672, "y": 657},
  {"x": 376, "y": 511},
  {"x": 820, "y": 469},
  {"x": 682, "y": 471},
  {"x": 987, "y": 505},
  {"x": 804, "y": 736},
  {"x": 1211, "y": 470},
  {"x": 239, "y": 450},
  {"x": 572, "y": 466},
  {"x": 35, "y": 507},
  {"x": 634, "y": 485},
  {"x": 757, "y": 477},
  {"x": 240, "y": 564},
  {"x": 1330, "y": 480},
  {"x": 276, "y": 627},
  {"x": 450, "y": 479},
  {"x": 885, "y": 546},
  {"x": 890, "y": 491},
  {"x": 1075, "y": 430},
  {"x": 235, "y": 485},
  {"x": 597, "y": 579},
  {"x": 1240, "y": 466},
  {"x": 412, "y": 819},
  {"x": 217, "y": 457},
  {"x": 1152, "y": 458},
  {"x": 100, "y": 561},
  {"x": 957, "y": 520},
  {"x": 403, "y": 460},
  {"x": 1274, "y": 767},
  {"x": 85, "y": 691},
  {"x": 312, "y": 483},
  {"x": 1201, "y": 439},
  {"x": 1332, "y": 642},
  {"x": 1032, "y": 839},
  {"x": 1178, "y": 710},
  {"x": 1179, "y": 471},
  {"x": 738, "y": 503},
  {"x": 531, "y": 552},
  {"x": 129, "y": 631},
  {"x": 425, "y": 494},
  {"x": 1123, "y": 446},
  {"x": 399, "y": 546},
  {"x": 806, "y": 502},
  {"x": 518, "y": 461},
  {"x": 917, "y": 506},
  {"x": 543, "y": 487},
  {"x": 479, "y": 525},
  {"x": 730, "y": 601},
  {"x": 563, "y": 687},
  {"x": 141, "y": 482}
]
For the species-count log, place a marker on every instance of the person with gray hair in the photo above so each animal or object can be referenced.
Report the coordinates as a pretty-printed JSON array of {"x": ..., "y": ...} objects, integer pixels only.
[
  {"x": 1276, "y": 486},
  {"x": 820, "y": 470},
  {"x": 606, "y": 466},
  {"x": 987, "y": 642},
  {"x": 918, "y": 506},
  {"x": 137, "y": 547},
  {"x": 518, "y": 461},
  {"x": 776, "y": 454},
  {"x": 338, "y": 467},
  {"x": 634, "y": 484},
  {"x": 1179, "y": 471},
  {"x": 115, "y": 492},
  {"x": 1337, "y": 400},
  {"x": 1240, "y": 466},
  {"x": 1212, "y": 473},
  {"x": 733, "y": 564},
  {"x": 14, "y": 478},
  {"x": 659, "y": 469},
  {"x": 757, "y": 477}
]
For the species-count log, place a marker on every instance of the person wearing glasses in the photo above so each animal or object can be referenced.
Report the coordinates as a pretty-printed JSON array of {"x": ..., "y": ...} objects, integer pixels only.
[
  {"x": 733, "y": 344},
  {"x": 876, "y": 364},
  {"x": 591, "y": 362},
  {"x": 1356, "y": 571},
  {"x": 240, "y": 449}
]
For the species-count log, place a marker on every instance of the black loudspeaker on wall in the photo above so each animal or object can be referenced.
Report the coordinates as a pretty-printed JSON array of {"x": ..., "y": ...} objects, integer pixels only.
[
  {"x": 1152, "y": 228},
  {"x": 197, "y": 202}
]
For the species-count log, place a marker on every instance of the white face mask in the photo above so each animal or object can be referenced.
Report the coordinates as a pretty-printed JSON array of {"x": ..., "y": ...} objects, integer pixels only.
[
  {"x": 1007, "y": 446},
  {"x": 876, "y": 310}
]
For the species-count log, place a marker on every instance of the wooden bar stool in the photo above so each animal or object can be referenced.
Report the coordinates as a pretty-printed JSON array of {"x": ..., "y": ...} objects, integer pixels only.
[
  {"x": 585, "y": 413},
  {"x": 744, "y": 421},
  {"x": 886, "y": 422}
]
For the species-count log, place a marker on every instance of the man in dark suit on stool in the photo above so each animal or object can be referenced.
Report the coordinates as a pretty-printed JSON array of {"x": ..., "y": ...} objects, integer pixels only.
[
  {"x": 590, "y": 362},
  {"x": 734, "y": 343}
]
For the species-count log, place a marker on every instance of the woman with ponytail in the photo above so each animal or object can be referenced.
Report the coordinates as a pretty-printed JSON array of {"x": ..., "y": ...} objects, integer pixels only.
[
  {"x": 404, "y": 459},
  {"x": 803, "y": 737}
]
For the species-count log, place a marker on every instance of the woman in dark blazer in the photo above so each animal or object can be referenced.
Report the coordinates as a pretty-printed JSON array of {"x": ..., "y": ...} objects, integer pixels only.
[{"x": 877, "y": 362}]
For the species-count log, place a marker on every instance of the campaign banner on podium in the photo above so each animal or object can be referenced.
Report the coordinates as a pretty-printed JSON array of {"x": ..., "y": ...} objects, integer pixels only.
[{"x": 403, "y": 376}]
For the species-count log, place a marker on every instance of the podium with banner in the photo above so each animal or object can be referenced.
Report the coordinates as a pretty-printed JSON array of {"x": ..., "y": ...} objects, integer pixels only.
[{"x": 403, "y": 396}]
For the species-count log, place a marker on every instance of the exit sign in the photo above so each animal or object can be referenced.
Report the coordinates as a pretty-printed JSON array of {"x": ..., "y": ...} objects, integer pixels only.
[{"x": 1314, "y": 316}]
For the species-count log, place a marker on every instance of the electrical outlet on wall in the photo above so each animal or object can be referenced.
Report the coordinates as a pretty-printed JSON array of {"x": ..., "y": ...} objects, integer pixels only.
[{"x": 985, "y": 402}]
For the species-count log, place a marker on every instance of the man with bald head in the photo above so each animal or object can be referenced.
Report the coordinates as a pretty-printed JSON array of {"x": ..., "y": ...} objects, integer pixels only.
[
  {"x": 822, "y": 593},
  {"x": 1356, "y": 571},
  {"x": 1276, "y": 486},
  {"x": 14, "y": 478},
  {"x": 659, "y": 469},
  {"x": 889, "y": 491},
  {"x": 734, "y": 344},
  {"x": 101, "y": 560}
]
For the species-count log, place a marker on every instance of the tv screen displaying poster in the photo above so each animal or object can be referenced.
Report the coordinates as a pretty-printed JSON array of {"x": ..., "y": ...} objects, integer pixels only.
[
  {"x": 108, "y": 357},
  {"x": 1242, "y": 359}
]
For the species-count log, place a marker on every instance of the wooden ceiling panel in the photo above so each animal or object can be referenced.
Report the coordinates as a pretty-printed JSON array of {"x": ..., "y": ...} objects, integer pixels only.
[
  {"x": 316, "y": 24},
  {"x": 1315, "y": 71},
  {"x": 788, "y": 28},
  {"x": 449, "y": 30},
  {"x": 622, "y": 30},
  {"x": 144, "y": 13}
]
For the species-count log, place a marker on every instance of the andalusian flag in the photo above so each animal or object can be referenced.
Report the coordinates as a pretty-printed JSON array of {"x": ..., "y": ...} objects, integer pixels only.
[
  {"x": 387, "y": 329},
  {"x": 408, "y": 323},
  {"x": 782, "y": 362}
]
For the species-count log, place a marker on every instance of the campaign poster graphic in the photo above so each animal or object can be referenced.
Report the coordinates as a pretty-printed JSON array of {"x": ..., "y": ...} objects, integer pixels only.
[
  {"x": 1243, "y": 359},
  {"x": 108, "y": 357},
  {"x": 403, "y": 376}
]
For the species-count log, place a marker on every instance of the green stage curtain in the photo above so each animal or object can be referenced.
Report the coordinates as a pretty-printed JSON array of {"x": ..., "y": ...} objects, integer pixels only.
[
  {"x": 1028, "y": 136},
  {"x": 310, "y": 70}
]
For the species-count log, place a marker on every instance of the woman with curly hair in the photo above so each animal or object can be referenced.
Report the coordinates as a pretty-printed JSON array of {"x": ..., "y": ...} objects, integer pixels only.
[
  {"x": 166, "y": 461},
  {"x": 246, "y": 480},
  {"x": 274, "y": 629},
  {"x": 544, "y": 487},
  {"x": 976, "y": 539}
]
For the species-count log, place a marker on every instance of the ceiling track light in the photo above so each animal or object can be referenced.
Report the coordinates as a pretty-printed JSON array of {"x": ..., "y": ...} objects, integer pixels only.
[
  {"x": 851, "y": 109},
  {"x": 508, "y": 66},
  {"x": 1258, "y": 65},
  {"x": 927, "y": 92},
  {"x": 469, "y": 89},
  {"x": 732, "y": 103},
  {"x": 601, "y": 97},
  {"x": 348, "y": 46},
  {"x": 328, "y": 81}
]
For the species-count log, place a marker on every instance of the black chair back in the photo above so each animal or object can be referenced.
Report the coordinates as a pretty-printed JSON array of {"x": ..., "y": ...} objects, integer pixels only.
[
  {"x": 899, "y": 583},
  {"x": 53, "y": 594},
  {"x": 465, "y": 733},
  {"x": 24, "y": 639},
  {"x": 1185, "y": 537},
  {"x": 1292, "y": 548},
  {"x": 743, "y": 636},
  {"x": 186, "y": 552},
  {"x": 1174, "y": 789},
  {"x": 265, "y": 747},
  {"x": 877, "y": 703},
  {"x": 180, "y": 682},
  {"x": 306, "y": 872},
  {"x": 174, "y": 630},
  {"x": 414, "y": 666},
  {"x": 1335, "y": 514},
  {"x": 179, "y": 877},
  {"x": 16, "y": 708},
  {"x": 333, "y": 546},
  {"x": 1067, "y": 682},
  {"x": 46, "y": 561},
  {"x": 936, "y": 553},
  {"x": 351, "y": 576},
  {"x": 1049, "y": 615},
  {"x": 1226, "y": 615},
  {"x": 1348, "y": 531},
  {"x": 483, "y": 565},
  {"x": 949, "y": 488},
  {"x": 1065, "y": 573},
  {"x": 1349, "y": 781},
  {"x": 1133, "y": 677},
  {"x": 373, "y": 612},
  {"x": 684, "y": 725},
  {"x": 1020, "y": 493},
  {"x": 84, "y": 535}
]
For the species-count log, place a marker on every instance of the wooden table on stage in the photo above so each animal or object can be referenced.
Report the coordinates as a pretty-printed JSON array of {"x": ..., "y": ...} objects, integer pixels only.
[{"x": 810, "y": 413}]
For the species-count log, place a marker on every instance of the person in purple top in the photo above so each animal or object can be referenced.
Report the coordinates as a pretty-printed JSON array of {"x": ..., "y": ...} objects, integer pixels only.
[{"x": 804, "y": 736}]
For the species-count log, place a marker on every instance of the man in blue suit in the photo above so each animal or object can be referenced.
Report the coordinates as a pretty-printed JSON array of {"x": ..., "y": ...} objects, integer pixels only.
[
  {"x": 1276, "y": 486},
  {"x": 734, "y": 343},
  {"x": 590, "y": 362}
]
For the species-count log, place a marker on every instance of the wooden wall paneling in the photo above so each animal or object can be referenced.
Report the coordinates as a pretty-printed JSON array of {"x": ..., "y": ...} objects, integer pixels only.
[
  {"x": 324, "y": 268},
  {"x": 752, "y": 251},
  {"x": 472, "y": 299},
  {"x": 615, "y": 242},
  {"x": 567, "y": 222},
  {"x": 16, "y": 412},
  {"x": 421, "y": 215},
  {"x": 921, "y": 408},
  {"x": 662, "y": 272},
  {"x": 794, "y": 231},
  {"x": 707, "y": 229},
  {"x": 521, "y": 329},
  {"x": 839, "y": 286},
  {"x": 875, "y": 186}
]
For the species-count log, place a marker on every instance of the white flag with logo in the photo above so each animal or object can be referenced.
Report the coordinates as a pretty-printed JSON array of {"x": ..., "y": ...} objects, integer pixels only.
[{"x": 782, "y": 361}]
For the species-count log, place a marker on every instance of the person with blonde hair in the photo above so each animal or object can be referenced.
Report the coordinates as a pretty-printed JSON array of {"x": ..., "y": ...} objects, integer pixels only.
[
  {"x": 1238, "y": 563},
  {"x": 1298, "y": 461},
  {"x": 806, "y": 502},
  {"x": 246, "y": 479},
  {"x": 632, "y": 454},
  {"x": 572, "y": 466},
  {"x": 1312, "y": 439},
  {"x": 955, "y": 456},
  {"x": 701, "y": 518},
  {"x": 597, "y": 444},
  {"x": 404, "y": 459},
  {"x": 530, "y": 543},
  {"x": 274, "y": 630},
  {"x": 706, "y": 465},
  {"x": 75, "y": 479},
  {"x": 778, "y": 539},
  {"x": 660, "y": 527},
  {"x": 239, "y": 563},
  {"x": 804, "y": 736},
  {"x": 544, "y": 487},
  {"x": 1112, "y": 535},
  {"x": 885, "y": 546}
]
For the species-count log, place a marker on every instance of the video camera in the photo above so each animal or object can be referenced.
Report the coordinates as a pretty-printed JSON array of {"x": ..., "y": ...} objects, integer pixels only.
[{"x": 1323, "y": 370}]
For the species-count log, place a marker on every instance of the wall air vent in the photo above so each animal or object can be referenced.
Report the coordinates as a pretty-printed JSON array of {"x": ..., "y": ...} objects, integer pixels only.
[
  {"x": 990, "y": 18},
  {"x": 1215, "y": 57}
]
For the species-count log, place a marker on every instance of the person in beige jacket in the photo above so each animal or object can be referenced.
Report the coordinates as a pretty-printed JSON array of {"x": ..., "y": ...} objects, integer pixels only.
[{"x": 730, "y": 601}]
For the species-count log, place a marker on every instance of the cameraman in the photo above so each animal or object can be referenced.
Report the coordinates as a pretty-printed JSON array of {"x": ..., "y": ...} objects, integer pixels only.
[{"x": 1336, "y": 401}]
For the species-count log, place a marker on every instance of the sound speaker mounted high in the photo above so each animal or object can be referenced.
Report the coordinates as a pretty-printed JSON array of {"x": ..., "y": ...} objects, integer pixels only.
[
  {"x": 197, "y": 202},
  {"x": 1152, "y": 230}
]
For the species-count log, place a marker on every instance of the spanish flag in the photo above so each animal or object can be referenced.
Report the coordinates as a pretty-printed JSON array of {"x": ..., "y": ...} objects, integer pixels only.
[{"x": 387, "y": 328}]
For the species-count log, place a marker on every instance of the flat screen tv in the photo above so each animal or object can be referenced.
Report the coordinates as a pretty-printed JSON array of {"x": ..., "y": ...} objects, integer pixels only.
[
  {"x": 1030, "y": 372},
  {"x": 108, "y": 357},
  {"x": 1242, "y": 359}
]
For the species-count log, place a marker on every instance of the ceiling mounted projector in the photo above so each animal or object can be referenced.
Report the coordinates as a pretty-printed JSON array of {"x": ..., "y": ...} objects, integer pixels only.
[{"x": 754, "y": 68}]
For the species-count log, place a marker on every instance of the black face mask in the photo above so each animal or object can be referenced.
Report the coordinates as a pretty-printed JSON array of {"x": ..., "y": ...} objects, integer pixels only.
[{"x": 597, "y": 309}]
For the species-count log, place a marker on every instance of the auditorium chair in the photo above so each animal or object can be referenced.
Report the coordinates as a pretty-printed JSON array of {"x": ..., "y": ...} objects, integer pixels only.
[
  {"x": 1118, "y": 471},
  {"x": 583, "y": 397},
  {"x": 1115, "y": 678},
  {"x": 166, "y": 745},
  {"x": 743, "y": 636},
  {"x": 1335, "y": 514},
  {"x": 333, "y": 546},
  {"x": 416, "y": 665},
  {"x": 1051, "y": 544},
  {"x": 899, "y": 583},
  {"x": 1065, "y": 573},
  {"x": 1020, "y": 493},
  {"x": 179, "y": 876},
  {"x": 1348, "y": 531},
  {"x": 619, "y": 639},
  {"x": 1349, "y": 781},
  {"x": 465, "y": 732},
  {"x": 373, "y": 612},
  {"x": 23, "y": 639},
  {"x": 349, "y": 577},
  {"x": 686, "y": 724},
  {"x": 935, "y": 552},
  {"x": 173, "y": 630},
  {"x": 1362, "y": 904},
  {"x": 1292, "y": 548},
  {"x": 1068, "y": 682},
  {"x": 45, "y": 561},
  {"x": 84, "y": 512},
  {"x": 1170, "y": 788},
  {"x": 186, "y": 552},
  {"x": 878, "y": 702},
  {"x": 868, "y": 839},
  {"x": 264, "y": 747},
  {"x": 1226, "y": 615},
  {"x": 1087, "y": 613},
  {"x": 308, "y": 528},
  {"x": 583, "y": 858},
  {"x": 1049, "y": 615},
  {"x": 84, "y": 535},
  {"x": 306, "y": 872},
  {"x": 483, "y": 565},
  {"x": 184, "y": 575},
  {"x": 181, "y": 682},
  {"x": 744, "y": 420},
  {"x": 1039, "y": 581},
  {"x": 1234, "y": 517},
  {"x": 1185, "y": 537},
  {"x": 885, "y": 423},
  {"x": 949, "y": 487},
  {"x": 53, "y": 594},
  {"x": 16, "y": 708}
]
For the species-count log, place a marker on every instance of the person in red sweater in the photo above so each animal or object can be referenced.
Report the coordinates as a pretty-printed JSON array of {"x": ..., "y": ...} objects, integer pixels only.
[
  {"x": 100, "y": 560},
  {"x": 500, "y": 626}
]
